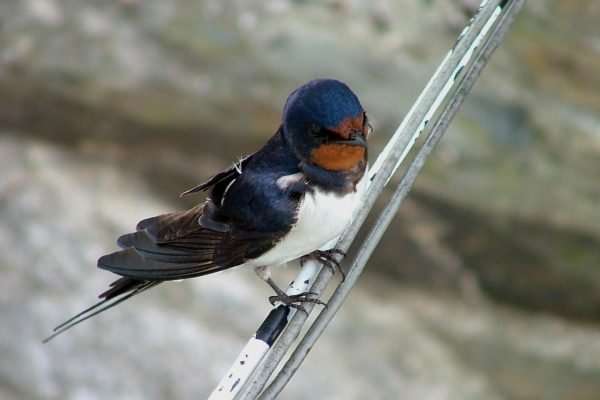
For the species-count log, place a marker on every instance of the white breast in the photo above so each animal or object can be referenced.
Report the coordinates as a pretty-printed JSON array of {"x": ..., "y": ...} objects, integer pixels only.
[{"x": 321, "y": 218}]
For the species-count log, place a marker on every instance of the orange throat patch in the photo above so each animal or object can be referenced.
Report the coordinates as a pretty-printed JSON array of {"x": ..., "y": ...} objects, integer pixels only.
[{"x": 337, "y": 157}]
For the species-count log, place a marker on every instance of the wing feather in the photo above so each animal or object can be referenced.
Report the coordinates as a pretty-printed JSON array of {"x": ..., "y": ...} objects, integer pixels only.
[{"x": 227, "y": 174}]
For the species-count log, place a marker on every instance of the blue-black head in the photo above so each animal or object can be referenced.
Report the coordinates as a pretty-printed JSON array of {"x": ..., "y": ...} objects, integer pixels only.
[{"x": 326, "y": 125}]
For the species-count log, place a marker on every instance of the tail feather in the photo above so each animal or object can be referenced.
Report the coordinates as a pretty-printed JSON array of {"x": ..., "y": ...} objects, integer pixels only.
[
  {"x": 166, "y": 247},
  {"x": 120, "y": 290},
  {"x": 119, "y": 287}
]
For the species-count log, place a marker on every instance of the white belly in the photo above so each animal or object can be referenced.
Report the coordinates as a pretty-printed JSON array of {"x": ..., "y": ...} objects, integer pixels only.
[{"x": 321, "y": 218}]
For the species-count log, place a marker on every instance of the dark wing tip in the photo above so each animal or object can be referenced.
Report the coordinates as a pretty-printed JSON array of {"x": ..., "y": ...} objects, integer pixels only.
[
  {"x": 125, "y": 241},
  {"x": 193, "y": 190},
  {"x": 144, "y": 223},
  {"x": 124, "y": 262}
]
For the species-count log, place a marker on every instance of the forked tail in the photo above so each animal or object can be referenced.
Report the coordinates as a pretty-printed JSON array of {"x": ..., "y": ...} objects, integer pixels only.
[{"x": 119, "y": 291}]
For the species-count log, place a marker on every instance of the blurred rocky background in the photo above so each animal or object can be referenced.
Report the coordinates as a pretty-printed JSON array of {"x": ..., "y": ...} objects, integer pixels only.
[{"x": 487, "y": 286}]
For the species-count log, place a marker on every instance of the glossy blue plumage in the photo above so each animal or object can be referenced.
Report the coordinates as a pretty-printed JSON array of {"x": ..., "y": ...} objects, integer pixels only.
[
  {"x": 323, "y": 102},
  {"x": 326, "y": 102}
]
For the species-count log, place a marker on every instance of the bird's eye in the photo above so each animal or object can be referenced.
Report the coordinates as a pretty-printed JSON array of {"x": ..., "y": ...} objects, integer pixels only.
[{"x": 314, "y": 129}]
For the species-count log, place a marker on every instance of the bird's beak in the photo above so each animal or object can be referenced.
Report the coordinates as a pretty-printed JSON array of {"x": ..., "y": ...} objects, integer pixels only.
[{"x": 358, "y": 140}]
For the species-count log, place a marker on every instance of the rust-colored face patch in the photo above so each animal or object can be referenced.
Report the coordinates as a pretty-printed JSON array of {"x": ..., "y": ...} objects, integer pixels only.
[
  {"x": 347, "y": 126},
  {"x": 337, "y": 157}
]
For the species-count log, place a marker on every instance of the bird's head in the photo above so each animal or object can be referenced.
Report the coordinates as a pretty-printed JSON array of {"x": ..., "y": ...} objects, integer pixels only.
[{"x": 326, "y": 126}]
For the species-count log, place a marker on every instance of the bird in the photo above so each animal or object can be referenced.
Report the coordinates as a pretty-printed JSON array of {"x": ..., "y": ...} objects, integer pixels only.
[{"x": 285, "y": 201}]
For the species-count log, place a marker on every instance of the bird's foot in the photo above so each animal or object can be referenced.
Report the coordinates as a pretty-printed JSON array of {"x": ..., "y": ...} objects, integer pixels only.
[
  {"x": 327, "y": 257},
  {"x": 296, "y": 300},
  {"x": 292, "y": 300}
]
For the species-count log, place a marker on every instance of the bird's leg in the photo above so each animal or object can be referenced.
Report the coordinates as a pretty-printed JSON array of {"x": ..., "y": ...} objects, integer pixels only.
[
  {"x": 327, "y": 257},
  {"x": 294, "y": 300}
]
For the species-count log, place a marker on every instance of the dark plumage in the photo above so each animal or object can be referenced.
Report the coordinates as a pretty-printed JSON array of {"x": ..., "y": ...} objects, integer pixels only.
[{"x": 248, "y": 210}]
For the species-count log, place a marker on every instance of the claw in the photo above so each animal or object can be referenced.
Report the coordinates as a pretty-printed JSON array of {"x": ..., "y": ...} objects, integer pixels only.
[{"x": 327, "y": 258}]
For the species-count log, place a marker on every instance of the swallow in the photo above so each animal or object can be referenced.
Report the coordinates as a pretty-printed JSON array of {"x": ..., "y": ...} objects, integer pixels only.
[{"x": 286, "y": 201}]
